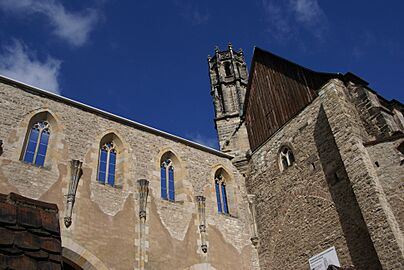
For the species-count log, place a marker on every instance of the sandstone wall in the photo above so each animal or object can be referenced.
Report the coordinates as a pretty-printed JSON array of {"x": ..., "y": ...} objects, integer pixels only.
[
  {"x": 311, "y": 205},
  {"x": 105, "y": 229},
  {"x": 389, "y": 166}
]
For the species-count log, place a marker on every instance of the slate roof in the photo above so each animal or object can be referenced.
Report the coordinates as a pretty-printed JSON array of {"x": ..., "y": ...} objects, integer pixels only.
[{"x": 29, "y": 234}]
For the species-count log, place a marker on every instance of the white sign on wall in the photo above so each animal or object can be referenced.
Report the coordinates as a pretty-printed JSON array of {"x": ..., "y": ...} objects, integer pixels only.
[{"x": 322, "y": 260}]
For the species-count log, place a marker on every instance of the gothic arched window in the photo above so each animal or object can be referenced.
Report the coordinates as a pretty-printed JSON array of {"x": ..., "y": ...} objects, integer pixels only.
[
  {"x": 37, "y": 143},
  {"x": 221, "y": 194},
  {"x": 107, "y": 163},
  {"x": 227, "y": 69},
  {"x": 167, "y": 179},
  {"x": 286, "y": 158}
]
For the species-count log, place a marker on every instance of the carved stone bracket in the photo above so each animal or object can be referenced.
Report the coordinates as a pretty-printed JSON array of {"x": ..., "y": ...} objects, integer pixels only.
[
  {"x": 76, "y": 173},
  {"x": 143, "y": 188},
  {"x": 254, "y": 231},
  {"x": 202, "y": 221},
  {"x": 143, "y": 193}
]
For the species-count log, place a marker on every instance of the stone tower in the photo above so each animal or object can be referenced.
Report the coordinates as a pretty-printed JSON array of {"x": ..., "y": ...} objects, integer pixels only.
[{"x": 228, "y": 79}]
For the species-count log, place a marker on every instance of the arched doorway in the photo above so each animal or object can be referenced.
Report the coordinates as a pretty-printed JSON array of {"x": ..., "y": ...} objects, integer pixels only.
[{"x": 69, "y": 265}]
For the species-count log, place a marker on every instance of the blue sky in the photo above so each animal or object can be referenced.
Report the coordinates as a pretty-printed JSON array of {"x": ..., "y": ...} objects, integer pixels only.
[{"x": 146, "y": 60}]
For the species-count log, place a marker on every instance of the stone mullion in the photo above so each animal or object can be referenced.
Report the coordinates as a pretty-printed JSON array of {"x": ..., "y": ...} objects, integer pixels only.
[
  {"x": 219, "y": 182},
  {"x": 381, "y": 223},
  {"x": 222, "y": 199},
  {"x": 167, "y": 182},
  {"x": 107, "y": 166},
  {"x": 37, "y": 145}
]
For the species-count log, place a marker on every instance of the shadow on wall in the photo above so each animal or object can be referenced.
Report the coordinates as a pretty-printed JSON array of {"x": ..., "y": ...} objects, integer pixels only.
[{"x": 360, "y": 245}]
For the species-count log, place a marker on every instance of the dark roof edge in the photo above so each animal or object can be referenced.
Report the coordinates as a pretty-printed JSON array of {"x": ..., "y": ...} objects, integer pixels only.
[
  {"x": 120, "y": 119},
  {"x": 348, "y": 76},
  {"x": 259, "y": 50},
  {"x": 295, "y": 64},
  {"x": 21, "y": 200}
]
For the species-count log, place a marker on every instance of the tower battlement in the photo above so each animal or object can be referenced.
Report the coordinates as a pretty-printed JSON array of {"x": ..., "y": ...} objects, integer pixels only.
[{"x": 228, "y": 79}]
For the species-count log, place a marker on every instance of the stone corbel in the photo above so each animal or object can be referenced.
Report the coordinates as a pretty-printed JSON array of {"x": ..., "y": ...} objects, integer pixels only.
[
  {"x": 202, "y": 221},
  {"x": 143, "y": 188},
  {"x": 143, "y": 193},
  {"x": 254, "y": 231},
  {"x": 76, "y": 173}
]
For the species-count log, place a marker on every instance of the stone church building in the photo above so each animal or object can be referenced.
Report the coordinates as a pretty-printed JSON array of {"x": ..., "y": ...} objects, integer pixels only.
[{"x": 308, "y": 162}]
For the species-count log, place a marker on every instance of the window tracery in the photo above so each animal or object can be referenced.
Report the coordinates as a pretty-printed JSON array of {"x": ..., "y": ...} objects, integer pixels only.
[
  {"x": 37, "y": 144},
  {"x": 107, "y": 163},
  {"x": 221, "y": 194},
  {"x": 167, "y": 179}
]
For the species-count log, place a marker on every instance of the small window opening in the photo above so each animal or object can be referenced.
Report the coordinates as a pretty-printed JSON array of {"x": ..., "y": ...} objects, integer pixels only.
[
  {"x": 312, "y": 166},
  {"x": 227, "y": 69},
  {"x": 377, "y": 164},
  {"x": 286, "y": 158}
]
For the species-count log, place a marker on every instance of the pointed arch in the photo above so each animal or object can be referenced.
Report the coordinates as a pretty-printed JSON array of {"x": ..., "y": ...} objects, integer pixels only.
[
  {"x": 286, "y": 157},
  {"x": 224, "y": 191},
  {"x": 180, "y": 173},
  {"x": 170, "y": 166},
  {"x": 109, "y": 159},
  {"x": 38, "y": 137},
  {"x": 80, "y": 257}
]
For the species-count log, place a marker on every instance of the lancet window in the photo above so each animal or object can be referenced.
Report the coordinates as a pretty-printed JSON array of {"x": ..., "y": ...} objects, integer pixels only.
[
  {"x": 37, "y": 143},
  {"x": 167, "y": 180},
  {"x": 221, "y": 194},
  {"x": 107, "y": 163},
  {"x": 286, "y": 158}
]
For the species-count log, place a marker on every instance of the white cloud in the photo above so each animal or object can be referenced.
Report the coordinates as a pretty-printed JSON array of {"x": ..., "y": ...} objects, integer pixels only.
[
  {"x": 287, "y": 18},
  {"x": 71, "y": 27},
  {"x": 279, "y": 24},
  {"x": 16, "y": 62},
  {"x": 191, "y": 12},
  {"x": 199, "y": 138},
  {"x": 307, "y": 11}
]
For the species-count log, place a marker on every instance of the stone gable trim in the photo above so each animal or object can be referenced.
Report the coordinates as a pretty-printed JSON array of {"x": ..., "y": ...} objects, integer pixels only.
[
  {"x": 388, "y": 139},
  {"x": 44, "y": 93}
]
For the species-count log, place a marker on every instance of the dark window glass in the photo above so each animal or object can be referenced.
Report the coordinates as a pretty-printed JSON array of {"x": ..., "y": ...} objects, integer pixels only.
[
  {"x": 43, "y": 145},
  {"x": 37, "y": 144},
  {"x": 31, "y": 146},
  {"x": 163, "y": 182},
  {"x": 219, "y": 203},
  {"x": 102, "y": 169},
  {"x": 171, "y": 193},
  {"x": 224, "y": 197},
  {"x": 227, "y": 69},
  {"x": 111, "y": 169}
]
